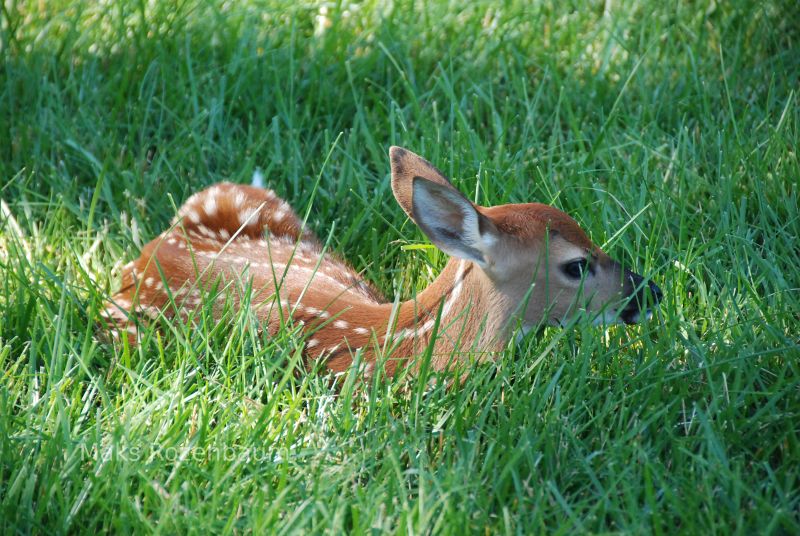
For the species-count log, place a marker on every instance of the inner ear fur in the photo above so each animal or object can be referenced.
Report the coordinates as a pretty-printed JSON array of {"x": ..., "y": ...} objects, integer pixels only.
[{"x": 451, "y": 221}]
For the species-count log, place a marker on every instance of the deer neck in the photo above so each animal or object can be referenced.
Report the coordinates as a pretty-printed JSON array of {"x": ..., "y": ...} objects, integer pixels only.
[{"x": 474, "y": 316}]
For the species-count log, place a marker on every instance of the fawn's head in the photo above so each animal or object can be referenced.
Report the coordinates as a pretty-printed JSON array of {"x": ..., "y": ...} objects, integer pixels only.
[{"x": 534, "y": 255}]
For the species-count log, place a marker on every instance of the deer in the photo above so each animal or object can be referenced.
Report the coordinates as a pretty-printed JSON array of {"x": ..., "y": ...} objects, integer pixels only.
[{"x": 512, "y": 268}]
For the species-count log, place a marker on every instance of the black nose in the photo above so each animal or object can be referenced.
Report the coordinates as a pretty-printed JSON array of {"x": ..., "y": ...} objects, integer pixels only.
[
  {"x": 641, "y": 296},
  {"x": 655, "y": 292}
]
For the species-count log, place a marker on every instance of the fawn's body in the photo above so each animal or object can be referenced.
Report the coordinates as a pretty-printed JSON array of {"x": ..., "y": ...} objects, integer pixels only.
[{"x": 241, "y": 246}]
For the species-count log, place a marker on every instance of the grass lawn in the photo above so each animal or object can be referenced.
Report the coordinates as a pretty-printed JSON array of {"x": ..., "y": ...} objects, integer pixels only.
[{"x": 669, "y": 130}]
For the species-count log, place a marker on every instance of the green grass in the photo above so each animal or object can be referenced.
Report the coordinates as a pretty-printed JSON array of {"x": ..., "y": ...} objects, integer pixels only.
[{"x": 677, "y": 121}]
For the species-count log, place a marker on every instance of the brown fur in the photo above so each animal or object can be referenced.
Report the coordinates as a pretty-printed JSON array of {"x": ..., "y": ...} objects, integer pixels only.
[{"x": 237, "y": 245}]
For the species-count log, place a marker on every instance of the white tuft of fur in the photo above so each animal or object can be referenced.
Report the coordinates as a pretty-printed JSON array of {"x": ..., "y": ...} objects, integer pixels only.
[{"x": 258, "y": 178}]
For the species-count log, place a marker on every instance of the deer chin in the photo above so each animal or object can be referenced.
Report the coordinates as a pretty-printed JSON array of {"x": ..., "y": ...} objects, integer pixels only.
[
  {"x": 634, "y": 316},
  {"x": 607, "y": 318},
  {"x": 524, "y": 329},
  {"x": 627, "y": 316}
]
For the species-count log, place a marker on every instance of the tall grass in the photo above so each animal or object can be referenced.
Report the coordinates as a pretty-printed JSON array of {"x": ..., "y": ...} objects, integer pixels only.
[{"x": 669, "y": 130}]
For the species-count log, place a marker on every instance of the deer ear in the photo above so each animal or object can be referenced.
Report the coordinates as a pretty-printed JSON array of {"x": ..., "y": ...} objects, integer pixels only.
[
  {"x": 448, "y": 218},
  {"x": 406, "y": 166},
  {"x": 451, "y": 222}
]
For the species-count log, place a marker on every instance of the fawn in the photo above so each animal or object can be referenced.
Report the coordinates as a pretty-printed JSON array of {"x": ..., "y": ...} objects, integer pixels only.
[{"x": 516, "y": 265}]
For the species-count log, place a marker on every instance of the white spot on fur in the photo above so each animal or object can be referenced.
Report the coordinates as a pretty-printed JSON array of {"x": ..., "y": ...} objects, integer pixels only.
[
  {"x": 210, "y": 204},
  {"x": 341, "y": 324},
  {"x": 149, "y": 282},
  {"x": 361, "y": 331},
  {"x": 149, "y": 311},
  {"x": 318, "y": 312},
  {"x": 112, "y": 315},
  {"x": 248, "y": 216},
  {"x": 332, "y": 349},
  {"x": 403, "y": 333},
  {"x": 279, "y": 216},
  {"x": 193, "y": 216},
  {"x": 369, "y": 368},
  {"x": 312, "y": 343},
  {"x": 207, "y": 232},
  {"x": 258, "y": 178}
]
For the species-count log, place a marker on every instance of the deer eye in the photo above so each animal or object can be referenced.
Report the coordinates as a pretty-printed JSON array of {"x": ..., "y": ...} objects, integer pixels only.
[{"x": 575, "y": 269}]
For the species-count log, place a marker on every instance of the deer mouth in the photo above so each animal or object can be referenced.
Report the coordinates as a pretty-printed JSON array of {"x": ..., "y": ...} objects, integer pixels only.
[
  {"x": 633, "y": 312},
  {"x": 633, "y": 315}
]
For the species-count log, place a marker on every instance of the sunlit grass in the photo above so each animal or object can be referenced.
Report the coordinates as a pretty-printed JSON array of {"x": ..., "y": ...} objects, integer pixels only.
[{"x": 669, "y": 131}]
